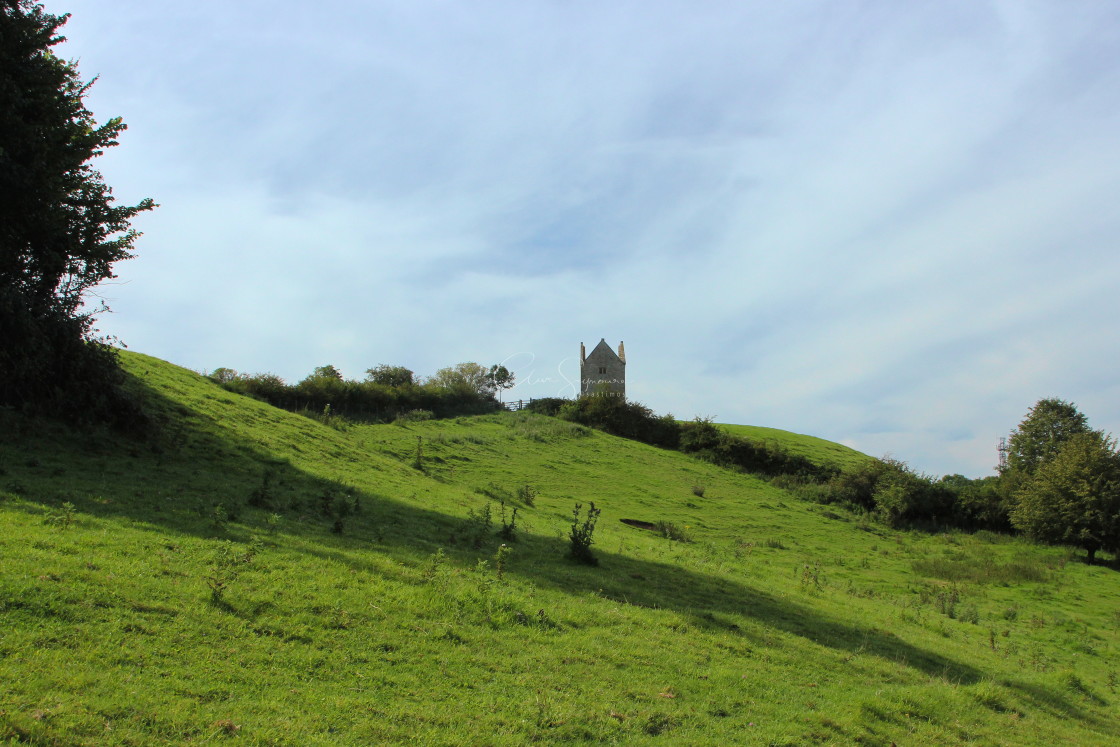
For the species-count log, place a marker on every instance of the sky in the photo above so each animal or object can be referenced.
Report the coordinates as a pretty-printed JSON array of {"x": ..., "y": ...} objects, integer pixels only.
[{"x": 892, "y": 225}]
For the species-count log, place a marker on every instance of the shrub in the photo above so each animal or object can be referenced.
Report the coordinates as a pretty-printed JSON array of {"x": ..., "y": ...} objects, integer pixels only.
[
  {"x": 63, "y": 517},
  {"x": 546, "y": 405},
  {"x": 226, "y": 564},
  {"x": 894, "y": 492},
  {"x": 581, "y": 534},
  {"x": 263, "y": 495},
  {"x": 509, "y": 528},
  {"x": 526, "y": 494},
  {"x": 671, "y": 531},
  {"x": 500, "y": 559},
  {"x": 623, "y": 418},
  {"x": 478, "y": 526}
]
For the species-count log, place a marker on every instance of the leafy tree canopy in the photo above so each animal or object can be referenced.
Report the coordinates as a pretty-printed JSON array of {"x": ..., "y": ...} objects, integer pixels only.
[
  {"x": 499, "y": 378},
  {"x": 326, "y": 372},
  {"x": 60, "y": 231},
  {"x": 387, "y": 375},
  {"x": 1043, "y": 432},
  {"x": 466, "y": 377},
  {"x": 1074, "y": 497}
]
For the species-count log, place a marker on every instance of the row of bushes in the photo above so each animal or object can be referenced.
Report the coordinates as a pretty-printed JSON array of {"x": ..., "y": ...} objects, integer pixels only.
[
  {"x": 699, "y": 437},
  {"x": 372, "y": 401},
  {"x": 898, "y": 496}
]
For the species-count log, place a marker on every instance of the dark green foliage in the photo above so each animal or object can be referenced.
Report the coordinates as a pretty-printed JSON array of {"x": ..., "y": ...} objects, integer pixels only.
[
  {"x": 1074, "y": 497},
  {"x": 702, "y": 438},
  {"x": 546, "y": 405},
  {"x": 1037, "y": 440},
  {"x": 478, "y": 526},
  {"x": 391, "y": 376},
  {"x": 499, "y": 378},
  {"x": 263, "y": 496},
  {"x": 508, "y": 531},
  {"x": 620, "y": 417},
  {"x": 51, "y": 365},
  {"x": 60, "y": 232},
  {"x": 894, "y": 493},
  {"x": 581, "y": 535},
  {"x": 372, "y": 400},
  {"x": 978, "y": 504}
]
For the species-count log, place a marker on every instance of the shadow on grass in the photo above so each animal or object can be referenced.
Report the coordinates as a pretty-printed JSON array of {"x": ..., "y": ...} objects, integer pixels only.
[{"x": 200, "y": 462}]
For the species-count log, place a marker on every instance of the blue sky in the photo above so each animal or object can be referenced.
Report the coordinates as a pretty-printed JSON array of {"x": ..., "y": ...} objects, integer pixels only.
[{"x": 892, "y": 225}]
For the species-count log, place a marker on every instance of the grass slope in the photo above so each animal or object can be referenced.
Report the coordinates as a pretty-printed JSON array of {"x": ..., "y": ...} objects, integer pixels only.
[
  {"x": 780, "y": 623},
  {"x": 812, "y": 448}
]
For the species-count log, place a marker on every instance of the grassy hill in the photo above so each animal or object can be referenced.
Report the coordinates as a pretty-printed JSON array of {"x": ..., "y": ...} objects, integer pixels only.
[
  {"x": 258, "y": 576},
  {"x": 810, "y": 447}
]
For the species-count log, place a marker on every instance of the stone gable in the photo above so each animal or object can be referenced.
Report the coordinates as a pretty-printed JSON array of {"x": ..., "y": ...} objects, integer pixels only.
[{"x": 603, "y": 372}]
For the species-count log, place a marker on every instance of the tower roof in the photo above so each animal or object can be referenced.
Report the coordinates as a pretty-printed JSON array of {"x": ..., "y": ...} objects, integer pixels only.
[{"x": 603, "y": 349}]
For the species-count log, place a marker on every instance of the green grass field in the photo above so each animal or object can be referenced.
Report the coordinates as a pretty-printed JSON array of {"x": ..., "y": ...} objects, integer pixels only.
[{"x": 255, "y": 576}]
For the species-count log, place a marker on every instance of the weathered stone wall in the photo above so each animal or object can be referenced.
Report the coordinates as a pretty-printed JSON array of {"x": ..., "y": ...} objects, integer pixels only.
[{"x": 602, "y": 372}]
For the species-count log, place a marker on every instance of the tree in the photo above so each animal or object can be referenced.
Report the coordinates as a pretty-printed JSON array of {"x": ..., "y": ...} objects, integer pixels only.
[
  {"x": 499, "y": 379},
  {"x": 1074, "y": 497},
  {"x": 60, "y": 231},
  {"x": 1043, "y": 432},
  {"x": 466, "y": 378},
  {"x": 224, "y": 375},
  {"x": 390, "y": 375},
  {"x": 326, "y": 372}
]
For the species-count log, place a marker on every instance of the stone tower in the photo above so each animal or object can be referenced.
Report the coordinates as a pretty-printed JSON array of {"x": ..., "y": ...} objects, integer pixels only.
[{"x": 602, "y": 372}]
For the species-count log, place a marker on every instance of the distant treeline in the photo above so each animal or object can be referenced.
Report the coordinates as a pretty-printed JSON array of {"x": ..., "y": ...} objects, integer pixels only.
[
  {"x": 885, "y": 488},
  {"x": 387, "y": 392}
]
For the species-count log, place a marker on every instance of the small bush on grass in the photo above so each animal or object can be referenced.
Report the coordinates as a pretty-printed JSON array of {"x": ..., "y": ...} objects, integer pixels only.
[
  {"x": 478, "y": 526},
  {"x": 500, "y": 559},
  {"x": 527, "y": 494},
  {"x": 63, "y": 516},
  {"x": 671, "y": 531},
  {"x": 226, "y": 565},
  {"x": 581, "y": 535},
  {"x": 264, "y": 495},
  {"x": 508, "y": 531}
]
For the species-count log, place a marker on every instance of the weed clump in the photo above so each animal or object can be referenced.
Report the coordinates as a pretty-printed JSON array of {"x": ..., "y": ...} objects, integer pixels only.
[
  {"x": 264, "y": 494},
  {"x": 500, "y": 559},
  {"x": 671, "y": 531},
  {"x": 226, "y": 565},
  {"x": 478, "y": 526},
  {"x": 63, "y": 517},
  {"x": 581, "y": 534},
  {"x": 508, "y": 531},
  {"x": 527, "y": 495}
]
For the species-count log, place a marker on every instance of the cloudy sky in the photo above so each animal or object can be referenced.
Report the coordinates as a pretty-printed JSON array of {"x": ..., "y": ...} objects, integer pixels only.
[{"x": 893, "y": 225}]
